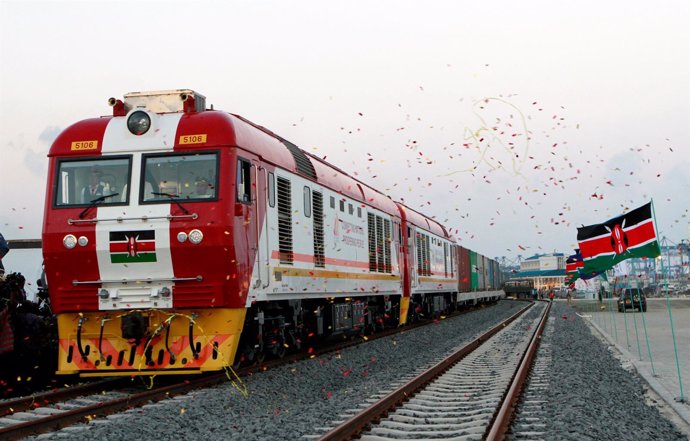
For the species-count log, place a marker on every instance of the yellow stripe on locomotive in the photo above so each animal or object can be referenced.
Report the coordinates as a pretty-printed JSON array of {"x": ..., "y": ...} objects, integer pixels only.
[{"x": 100, "y": 344}]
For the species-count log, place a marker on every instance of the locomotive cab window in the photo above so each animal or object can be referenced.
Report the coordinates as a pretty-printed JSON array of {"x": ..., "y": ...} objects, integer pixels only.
[
  {"x": 92, "y": 181},
  {"x": 271, "y": 190},
  {"x": 307, "y": 201},
  {"x": 244, "y": 181},
  {"x": 168, "y": 178}
]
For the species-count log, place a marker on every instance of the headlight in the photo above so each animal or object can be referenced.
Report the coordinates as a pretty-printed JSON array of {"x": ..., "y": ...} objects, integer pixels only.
[
  {"x": 69, "y": 241},
  {"x": 139, "y": 122},
  {"x": 83, "y": 241},
  {"x": 104, "y": 294},
  {"x": 196, "y": 236},
  {"x": 181, "y": 236}
]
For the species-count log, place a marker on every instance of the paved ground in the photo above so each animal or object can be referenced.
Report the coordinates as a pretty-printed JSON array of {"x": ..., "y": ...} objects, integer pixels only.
[{"x": 646, "y": 340}]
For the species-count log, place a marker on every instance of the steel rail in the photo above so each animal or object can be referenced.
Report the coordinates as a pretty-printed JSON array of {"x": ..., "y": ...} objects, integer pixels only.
[
  {"x": 21, "y": 404},
  {"x": 59, "y": 420},
  {"x": 355, "y": 425},
  {"x": 502, "y": 418}
]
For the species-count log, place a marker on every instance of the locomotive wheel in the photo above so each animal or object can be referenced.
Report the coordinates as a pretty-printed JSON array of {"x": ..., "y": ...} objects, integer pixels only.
[
  {"x": 295, "y": 340},
  {"x": 278, "y": 349},
  {"x": 237, "y": 363},
  {"x": 259, "y": 356}
]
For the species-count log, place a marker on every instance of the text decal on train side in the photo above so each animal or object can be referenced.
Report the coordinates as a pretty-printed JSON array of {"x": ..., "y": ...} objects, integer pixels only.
[
  {"x": 84, "y": 145},
  {"x": 193, "y": 139}
]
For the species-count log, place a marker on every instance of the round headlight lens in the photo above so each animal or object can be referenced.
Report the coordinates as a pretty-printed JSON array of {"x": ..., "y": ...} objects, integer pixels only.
[
  {"x": 196, "y": 236},
  {"x": 181, "y": 236},
  {"x": 83, "y": 241},
  {"x": 139, "y": 122},
  {"x": 69, "y": 241}
]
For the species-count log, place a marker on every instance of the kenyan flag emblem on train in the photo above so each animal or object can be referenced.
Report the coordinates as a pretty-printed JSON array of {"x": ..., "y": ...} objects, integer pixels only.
[
  {"x": 631, "y": 235},
  {"x": 132, "y": 246}
]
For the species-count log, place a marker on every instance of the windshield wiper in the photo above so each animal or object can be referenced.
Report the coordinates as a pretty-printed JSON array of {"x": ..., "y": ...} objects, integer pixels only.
[
  {"x": 172, "y": 197},
  {"x": 95, "y": 202}
]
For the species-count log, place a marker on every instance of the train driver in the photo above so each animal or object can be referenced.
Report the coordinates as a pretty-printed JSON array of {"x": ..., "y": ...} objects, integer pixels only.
[
  {"x": 202, "y": 189},
  {"x": 95, "y": 188}
]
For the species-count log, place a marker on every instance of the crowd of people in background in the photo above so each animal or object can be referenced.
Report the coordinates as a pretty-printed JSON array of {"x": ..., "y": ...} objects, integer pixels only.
[{"x": 28, "y": 335}]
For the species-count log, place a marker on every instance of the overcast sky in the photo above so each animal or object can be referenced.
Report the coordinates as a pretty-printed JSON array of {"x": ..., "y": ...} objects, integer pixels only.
[{"x": 510, "y": 122}]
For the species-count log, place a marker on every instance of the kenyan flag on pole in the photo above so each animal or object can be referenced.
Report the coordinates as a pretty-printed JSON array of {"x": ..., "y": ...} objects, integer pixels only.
[
  {"x": 132, "y": 246},
  {"x": 572, "y": 264},
  {"x": 630, "y": 235}
]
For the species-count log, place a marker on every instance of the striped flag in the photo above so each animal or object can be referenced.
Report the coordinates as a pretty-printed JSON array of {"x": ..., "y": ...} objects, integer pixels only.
[
  {"x": 132, "y": 246},
  {"x": 572, "y": 265},
  {"x": 630, "y": 235}
]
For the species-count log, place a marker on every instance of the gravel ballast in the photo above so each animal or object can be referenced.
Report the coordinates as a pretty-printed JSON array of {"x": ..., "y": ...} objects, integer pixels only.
[{"x": 591, "y": 396}]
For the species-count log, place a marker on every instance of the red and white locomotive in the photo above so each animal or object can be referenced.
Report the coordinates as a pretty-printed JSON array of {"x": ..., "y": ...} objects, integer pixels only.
[{"x": 178, "y": 239}]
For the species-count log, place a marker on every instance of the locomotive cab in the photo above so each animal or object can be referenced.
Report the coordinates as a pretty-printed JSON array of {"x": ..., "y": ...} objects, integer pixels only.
[{"x": 133, "y": 238}]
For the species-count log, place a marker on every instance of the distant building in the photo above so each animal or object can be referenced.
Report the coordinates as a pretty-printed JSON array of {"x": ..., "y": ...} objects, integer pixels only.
[{"x": 547, "y": 270}]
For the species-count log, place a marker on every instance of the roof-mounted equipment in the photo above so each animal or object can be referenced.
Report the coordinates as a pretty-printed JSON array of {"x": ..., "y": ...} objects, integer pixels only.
[{"x": 161, "y": 101}]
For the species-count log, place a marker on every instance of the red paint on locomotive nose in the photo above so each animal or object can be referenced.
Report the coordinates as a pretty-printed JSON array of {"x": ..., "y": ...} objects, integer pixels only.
[{"x": 618, "y": 240}]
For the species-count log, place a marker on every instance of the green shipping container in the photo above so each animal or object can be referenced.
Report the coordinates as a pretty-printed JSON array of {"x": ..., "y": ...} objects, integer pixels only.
[{"x": 474, "y": 278}]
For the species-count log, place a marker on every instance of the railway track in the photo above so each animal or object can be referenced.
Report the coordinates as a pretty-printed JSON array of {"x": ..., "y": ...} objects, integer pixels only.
[
  {"x": 40, "y": 399},
  {"x": 471, "y": 394},
  {"x": 54, "y": 410},
  {"x": 79, "y": 404},
  {"x": 530, "y": 416}
]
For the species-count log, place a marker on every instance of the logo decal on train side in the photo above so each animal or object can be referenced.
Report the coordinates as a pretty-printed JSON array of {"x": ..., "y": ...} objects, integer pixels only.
[
  {"x": 84, "y": 145},
  {"x": 193, "y": 139}
]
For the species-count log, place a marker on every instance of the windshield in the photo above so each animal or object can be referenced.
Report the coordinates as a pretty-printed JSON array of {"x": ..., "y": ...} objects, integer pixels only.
[
  {"x": 634, "y": 292},
  {"x": 187, "y": 177},
  {"x": 80, "y": 182}
]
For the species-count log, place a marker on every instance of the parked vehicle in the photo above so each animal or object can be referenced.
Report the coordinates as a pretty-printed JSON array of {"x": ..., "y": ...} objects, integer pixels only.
[
  {"x": 632, "y": 298},
  {"x": 520, "y": 288},
  {"x": 664, "y": 289}
]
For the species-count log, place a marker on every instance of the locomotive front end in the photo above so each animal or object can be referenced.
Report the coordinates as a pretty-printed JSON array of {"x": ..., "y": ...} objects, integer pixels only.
[{"x": 138, "y": 250}]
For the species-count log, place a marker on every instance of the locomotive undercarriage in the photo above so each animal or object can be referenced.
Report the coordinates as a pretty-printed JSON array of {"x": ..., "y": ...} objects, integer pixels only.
[
  {"x": 431, "y": 306},
  {"x": 140, "y": 342},
  {"x": 276, "y": 328}
]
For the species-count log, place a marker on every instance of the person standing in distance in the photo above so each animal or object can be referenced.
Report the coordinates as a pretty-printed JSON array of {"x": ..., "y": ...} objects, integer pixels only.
[{"x": 4, "y": 249}]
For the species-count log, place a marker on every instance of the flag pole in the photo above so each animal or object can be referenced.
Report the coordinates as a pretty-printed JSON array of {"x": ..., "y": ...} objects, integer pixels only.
[
  {"x": 668, "y": 307},
  {"x": 644, "y": 324},
  {"x": 628, "y": 284},
  {"x": 611, "y": 291}
]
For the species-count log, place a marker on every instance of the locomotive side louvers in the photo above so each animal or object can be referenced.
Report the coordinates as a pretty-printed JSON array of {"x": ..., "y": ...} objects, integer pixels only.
[
  {"x": 285, "y": 221},
  {"x": 303, "y": 163}
]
